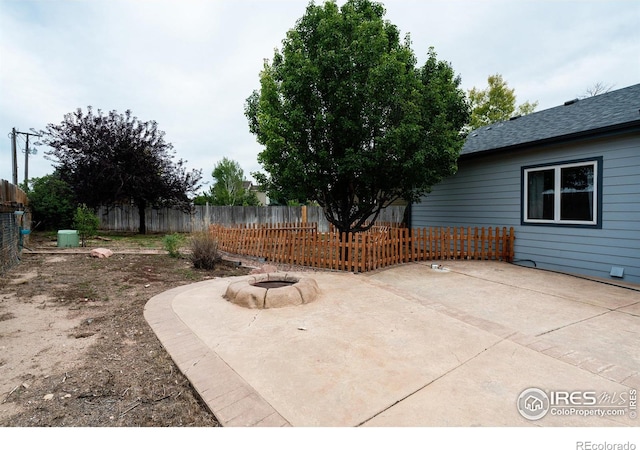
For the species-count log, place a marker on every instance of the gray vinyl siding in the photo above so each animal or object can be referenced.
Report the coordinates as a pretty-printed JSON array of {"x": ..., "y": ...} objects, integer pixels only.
[{"x": 486, "y": 191}]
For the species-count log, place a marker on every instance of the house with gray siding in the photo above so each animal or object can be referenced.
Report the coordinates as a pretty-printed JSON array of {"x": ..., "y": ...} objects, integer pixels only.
[{"x": 566, "y": 178}]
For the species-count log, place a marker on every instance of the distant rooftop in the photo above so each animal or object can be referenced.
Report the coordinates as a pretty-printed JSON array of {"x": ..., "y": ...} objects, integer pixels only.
[{"x": 605, "y": 112}]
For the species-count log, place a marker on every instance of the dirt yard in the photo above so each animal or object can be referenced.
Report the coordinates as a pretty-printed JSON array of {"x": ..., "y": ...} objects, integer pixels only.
[{"x": 75, "y": 349}]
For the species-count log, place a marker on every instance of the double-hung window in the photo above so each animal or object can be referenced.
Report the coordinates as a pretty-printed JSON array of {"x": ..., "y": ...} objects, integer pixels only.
[{"x": 566, "y": 193}]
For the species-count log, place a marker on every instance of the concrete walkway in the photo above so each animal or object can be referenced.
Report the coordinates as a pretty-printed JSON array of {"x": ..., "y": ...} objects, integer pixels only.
[{"x": 407, "y": 346}]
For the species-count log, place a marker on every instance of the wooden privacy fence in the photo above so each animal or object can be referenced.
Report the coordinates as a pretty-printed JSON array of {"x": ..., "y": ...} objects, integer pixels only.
[
  {"x": 381, "y": 246},
  {"x": 11, "y": 197},
  {"x": 12, "y": 200},
  {"x": 166, "y": 220}
]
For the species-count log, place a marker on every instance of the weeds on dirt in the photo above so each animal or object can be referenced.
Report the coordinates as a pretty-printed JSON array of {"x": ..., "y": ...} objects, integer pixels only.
[
  {"x": 172, "y": 243},
  {"x": 132, "y": 240},
  {"x": 204, "y": 251},
  {"x": 125, "y": 378}
]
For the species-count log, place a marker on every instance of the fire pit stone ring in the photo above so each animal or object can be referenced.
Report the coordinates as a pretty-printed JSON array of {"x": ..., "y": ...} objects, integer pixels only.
[{"x": 273, "y": 290}]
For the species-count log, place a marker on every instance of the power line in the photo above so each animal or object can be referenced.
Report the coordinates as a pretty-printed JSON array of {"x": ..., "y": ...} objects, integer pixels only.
[{"x": 14, "y": 135}]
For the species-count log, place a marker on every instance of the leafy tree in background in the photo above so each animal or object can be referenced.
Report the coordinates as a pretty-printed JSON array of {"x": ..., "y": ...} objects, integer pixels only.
[
  {"x": 348, "y": 120},
  {"x": 495, "y": 103},
  {"x": 113, "y": 158},
  {"x": 51, "y": 202},
  {"x": 228, "y": 188}
]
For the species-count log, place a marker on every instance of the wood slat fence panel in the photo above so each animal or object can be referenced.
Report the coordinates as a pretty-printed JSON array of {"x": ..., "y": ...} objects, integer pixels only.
[
  {"x": 381, "y": 246},
  {"x": 11, "y": 196},
  {"x": 166, "y": 220},
  {"x": 12, "y": 199}
]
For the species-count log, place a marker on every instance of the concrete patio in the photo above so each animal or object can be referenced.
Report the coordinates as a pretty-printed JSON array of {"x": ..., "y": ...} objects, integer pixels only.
[{"x": 406, "y": 346}]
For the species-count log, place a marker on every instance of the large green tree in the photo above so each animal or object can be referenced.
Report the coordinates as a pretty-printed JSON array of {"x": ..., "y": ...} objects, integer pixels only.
[
  {"x": 495, "y": 103},
  {"x": 113, "y": 158},
  {"x": 347, "y": 118}
]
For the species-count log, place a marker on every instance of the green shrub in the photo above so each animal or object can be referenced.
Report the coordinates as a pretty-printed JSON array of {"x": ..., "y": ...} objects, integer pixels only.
[
  {"x": 52, "y": 203},
  {"x": 204, "y": 251},
  {"x": 86, "y": 222},
  {"x": 172, "y": 243}
]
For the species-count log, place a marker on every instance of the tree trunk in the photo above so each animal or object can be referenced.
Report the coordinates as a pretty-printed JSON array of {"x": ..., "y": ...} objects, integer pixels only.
[
  {"x": 142, "y": 207},
  {"x": 344, "y": 251}
]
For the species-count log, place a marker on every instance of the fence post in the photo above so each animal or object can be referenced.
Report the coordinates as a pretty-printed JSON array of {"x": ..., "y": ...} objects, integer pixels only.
[
  {"x": 476, "y": 239},
  {"x": 490, "y": 242},
  {"x": 512, "y": 238},
  {"x": 363, "y": 253},
  {"x": 483, "y": 238},
  {"x": 446, "y": 243},
  {"x": 456, "y": 243},
  {"x": 406, "y": 245}
]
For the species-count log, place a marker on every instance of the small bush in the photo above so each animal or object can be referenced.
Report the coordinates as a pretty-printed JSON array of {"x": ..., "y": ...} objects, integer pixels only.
[
  {"x": 204, "y": 251},
  {"x": 86, "y": 222},
  {"x": 172, "y": 243}
]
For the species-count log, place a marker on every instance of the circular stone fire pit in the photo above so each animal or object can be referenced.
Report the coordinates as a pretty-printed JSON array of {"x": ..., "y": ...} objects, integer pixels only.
[{"x": 273, "y": 290}]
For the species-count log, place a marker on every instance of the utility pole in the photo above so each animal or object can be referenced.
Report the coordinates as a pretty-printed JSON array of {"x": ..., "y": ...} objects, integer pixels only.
[
  {"x": 26, "y": 162},
  {"x": 14, "y": 134},
  {"x": 14, "y": 154}
]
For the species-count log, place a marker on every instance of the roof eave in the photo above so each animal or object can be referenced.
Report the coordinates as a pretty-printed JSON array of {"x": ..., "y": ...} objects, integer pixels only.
[{"x": 598, "y": 132}]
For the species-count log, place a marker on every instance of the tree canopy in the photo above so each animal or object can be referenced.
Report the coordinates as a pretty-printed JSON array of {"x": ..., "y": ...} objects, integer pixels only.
[
  {"x": 229, "y": 186},
  {"x": 495, "y": 103},
  {"x": 112, "y": 158},
  {"x": 347, "y": 118},
  {"x": 51, "y": 201}
]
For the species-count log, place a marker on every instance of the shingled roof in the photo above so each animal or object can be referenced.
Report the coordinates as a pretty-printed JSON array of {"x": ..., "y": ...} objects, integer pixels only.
[{"x": 602, "y": 113}]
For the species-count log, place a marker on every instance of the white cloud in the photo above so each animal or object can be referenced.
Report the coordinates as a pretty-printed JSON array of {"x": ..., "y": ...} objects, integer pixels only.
[{"x": 190, "y": 65}]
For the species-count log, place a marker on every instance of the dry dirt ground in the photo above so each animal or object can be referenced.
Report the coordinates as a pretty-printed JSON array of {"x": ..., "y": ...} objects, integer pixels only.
[{"x": 75, "y": 349}]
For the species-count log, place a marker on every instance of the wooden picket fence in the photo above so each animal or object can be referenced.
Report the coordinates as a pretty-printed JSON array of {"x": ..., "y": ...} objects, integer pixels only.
[{"x": 381, "y": 246}]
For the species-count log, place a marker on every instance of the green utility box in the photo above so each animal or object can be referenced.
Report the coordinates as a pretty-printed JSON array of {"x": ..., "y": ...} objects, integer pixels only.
[{"x": 68, "y": 238}]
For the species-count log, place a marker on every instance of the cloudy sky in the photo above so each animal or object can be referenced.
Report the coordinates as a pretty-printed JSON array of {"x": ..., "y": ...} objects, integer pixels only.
[{"x": 190, "y": 64}]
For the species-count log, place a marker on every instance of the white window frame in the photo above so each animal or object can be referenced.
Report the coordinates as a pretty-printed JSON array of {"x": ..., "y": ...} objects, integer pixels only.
[{"x": 557, "y": 168}]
